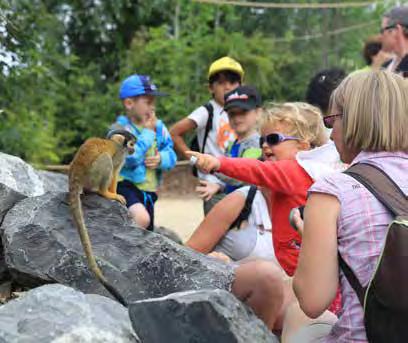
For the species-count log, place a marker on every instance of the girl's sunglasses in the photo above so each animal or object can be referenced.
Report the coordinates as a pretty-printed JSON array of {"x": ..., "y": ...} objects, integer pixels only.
[
  {"x": 329, "y": 120},
  {"x": 275, "y": 138}
]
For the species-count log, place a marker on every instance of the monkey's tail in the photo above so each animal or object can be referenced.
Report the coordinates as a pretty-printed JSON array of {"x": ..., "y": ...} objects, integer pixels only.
[{"x": 76, "y": 209}]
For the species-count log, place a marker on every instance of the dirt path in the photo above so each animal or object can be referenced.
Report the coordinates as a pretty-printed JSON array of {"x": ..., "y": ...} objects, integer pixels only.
[{"x": 181, "y": 215}]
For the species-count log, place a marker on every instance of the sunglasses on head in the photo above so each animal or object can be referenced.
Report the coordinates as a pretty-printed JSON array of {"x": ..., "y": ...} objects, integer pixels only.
[
  {"x": 275, "y": 138},
  {"x": 329, "y": 120}
]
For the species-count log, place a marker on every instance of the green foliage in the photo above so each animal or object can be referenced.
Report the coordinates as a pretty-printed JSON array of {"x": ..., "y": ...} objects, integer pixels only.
[{"x": 61, "y": 62}]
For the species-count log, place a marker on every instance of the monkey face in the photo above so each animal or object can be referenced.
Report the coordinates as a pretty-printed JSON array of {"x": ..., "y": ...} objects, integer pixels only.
[
  {"x": 124, "y": 138},
  {"x": 130, "y": 146}
]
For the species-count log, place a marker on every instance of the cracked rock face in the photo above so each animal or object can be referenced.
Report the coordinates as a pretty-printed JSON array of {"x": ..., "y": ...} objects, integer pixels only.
[
  {"x": 56, "y": 313},
  {"x": 18, "y": 180},
  {"x": 53, "y": 182},
  {"x": 41, "y": 245},
  {"x": 197, "y": 316}
]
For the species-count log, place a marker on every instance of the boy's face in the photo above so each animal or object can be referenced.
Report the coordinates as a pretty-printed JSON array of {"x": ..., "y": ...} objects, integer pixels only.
[
  {"x": 242, "y": 121},
  {"x": 140, "y": 108},
  {"x": 222, "y": 86}
]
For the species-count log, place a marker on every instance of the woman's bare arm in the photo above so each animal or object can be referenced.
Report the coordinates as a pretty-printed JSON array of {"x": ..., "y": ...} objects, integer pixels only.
[{"x": 316, "y": 278}]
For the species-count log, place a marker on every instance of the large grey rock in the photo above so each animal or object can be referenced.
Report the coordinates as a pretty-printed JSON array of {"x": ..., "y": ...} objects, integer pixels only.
[
  {"x": 41, "y": 245},
  {"x": 3, "y": 267},
  {"x": 168, "y": 233},
  {"x": 53, "y": 182},
  {"x": 55, "y": 313},
  {"x": 204, "y": 316},
  {"x": 18, "y": 180}
]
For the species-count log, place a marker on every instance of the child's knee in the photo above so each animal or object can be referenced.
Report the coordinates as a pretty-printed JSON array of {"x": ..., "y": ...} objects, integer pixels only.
[{"x": 140, "y": 215}]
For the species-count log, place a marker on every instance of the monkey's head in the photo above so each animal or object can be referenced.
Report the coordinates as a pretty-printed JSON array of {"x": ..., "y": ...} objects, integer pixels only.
[{"x": 124, "y": 138}]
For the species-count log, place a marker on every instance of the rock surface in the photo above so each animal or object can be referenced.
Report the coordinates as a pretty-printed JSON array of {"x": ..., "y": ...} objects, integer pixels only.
[
  {"x": 18, "y": 180},
  {"x": 41, "y": 245},
  {"x": 204, "y": 316},
  {"x": 168, "y": 233},
  {"x": 53, "y": 182},
  {"x": 55, "y": 313}
]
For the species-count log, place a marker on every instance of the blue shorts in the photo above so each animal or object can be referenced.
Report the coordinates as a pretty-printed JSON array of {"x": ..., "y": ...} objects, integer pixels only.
[{"x": 134, "y": 195}]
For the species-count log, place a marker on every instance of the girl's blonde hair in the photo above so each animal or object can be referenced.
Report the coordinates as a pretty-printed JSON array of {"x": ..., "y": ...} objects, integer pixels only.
[
  {"x": 375, "y": 111},
  {"x": 302, "y": 120}
]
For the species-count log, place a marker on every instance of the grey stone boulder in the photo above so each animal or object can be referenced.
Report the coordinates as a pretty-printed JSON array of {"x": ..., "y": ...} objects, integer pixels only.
[
  {"x": 56, "y": 313},
  {"x": 204, "y": 316},
  {"x": 53, "y": 182},
  {"x": 18, "y": 180},
  {"x": 41, "y": 245},
  {"x": 3, "y": 267},
  {"x": 168, "y": 233}
]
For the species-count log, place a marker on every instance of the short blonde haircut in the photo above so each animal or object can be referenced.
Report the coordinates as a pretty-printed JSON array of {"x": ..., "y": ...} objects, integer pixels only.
[
  {"x": 375, "y": 111},
  {"x": 303, "y": 121}
]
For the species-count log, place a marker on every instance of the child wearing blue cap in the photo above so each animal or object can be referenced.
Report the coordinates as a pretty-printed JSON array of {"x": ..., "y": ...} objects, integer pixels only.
[{"x": 142, "y": 173}]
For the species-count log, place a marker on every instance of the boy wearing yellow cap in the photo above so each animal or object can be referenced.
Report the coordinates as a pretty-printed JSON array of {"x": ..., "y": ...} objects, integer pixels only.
[{"x": 210, "y": 121}]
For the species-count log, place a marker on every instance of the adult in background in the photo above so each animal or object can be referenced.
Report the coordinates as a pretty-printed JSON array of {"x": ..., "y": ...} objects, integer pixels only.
[
  {"x": 394, "y": 38},
  {"x": 373, "y": 54},
  {"x": 370, "y": 122}
]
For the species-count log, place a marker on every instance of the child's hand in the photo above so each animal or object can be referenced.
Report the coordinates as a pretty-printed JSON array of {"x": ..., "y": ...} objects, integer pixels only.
[
  {"x": 206, "y": 190},
  {"x": 153, "y": 162},
  {"x": 205, "y": 163},
  {"x": 150, "y": 121}
]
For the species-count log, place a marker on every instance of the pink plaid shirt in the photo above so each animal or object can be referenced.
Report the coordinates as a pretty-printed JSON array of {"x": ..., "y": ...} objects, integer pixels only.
[{"x": 361, "y": 230}]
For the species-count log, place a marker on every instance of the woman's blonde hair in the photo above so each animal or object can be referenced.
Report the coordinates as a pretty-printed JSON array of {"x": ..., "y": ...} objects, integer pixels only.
[
  {"x": 302, "y": 120},
  {"x": 375, "y": 111}
]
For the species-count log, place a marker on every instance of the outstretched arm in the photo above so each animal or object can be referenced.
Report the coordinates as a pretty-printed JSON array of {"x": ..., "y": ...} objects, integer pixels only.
[{"x": 279, "y": 176}]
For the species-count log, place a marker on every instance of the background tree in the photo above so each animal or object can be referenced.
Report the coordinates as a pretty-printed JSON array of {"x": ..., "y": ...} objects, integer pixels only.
[{"x": 61, "y": 62}]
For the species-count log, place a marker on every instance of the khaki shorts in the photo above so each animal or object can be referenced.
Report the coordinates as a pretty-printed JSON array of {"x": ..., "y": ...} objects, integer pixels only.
[{"x": 312, "y": 333}]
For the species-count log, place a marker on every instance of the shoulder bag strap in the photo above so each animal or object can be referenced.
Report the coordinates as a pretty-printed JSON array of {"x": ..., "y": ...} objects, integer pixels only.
[
  {"x": 381, "y": 186},
  {"x": 208, "y": 126}
]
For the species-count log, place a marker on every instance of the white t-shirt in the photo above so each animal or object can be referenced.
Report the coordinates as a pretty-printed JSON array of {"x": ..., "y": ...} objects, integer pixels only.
[
  {"x": 219, "y": 137},
  {"x": 254, "y": 241}
]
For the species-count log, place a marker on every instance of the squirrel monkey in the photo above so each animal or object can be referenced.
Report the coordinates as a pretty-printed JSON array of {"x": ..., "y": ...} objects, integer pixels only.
[{"x": 96, "y": 167}]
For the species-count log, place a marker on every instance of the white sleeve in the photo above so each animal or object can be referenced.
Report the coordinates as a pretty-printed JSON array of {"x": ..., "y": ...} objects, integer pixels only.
[
  {"x": 244, "y": 190},
  {"x": 199, "y": 116}
]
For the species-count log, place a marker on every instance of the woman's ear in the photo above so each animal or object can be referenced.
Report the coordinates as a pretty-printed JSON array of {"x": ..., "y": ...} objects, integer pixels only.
[{"x": 303, "y": 145}]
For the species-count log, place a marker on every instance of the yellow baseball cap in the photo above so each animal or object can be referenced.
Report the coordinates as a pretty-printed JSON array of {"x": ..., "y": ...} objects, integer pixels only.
[{"x": 225, "y": 63}]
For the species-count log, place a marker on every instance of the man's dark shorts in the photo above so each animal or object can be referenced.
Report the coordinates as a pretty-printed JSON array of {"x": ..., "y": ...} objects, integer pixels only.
[{"x": 134, "y": 195}]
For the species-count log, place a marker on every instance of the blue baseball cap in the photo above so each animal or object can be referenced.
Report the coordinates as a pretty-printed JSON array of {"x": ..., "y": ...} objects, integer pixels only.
[{"x": 136, "y": 85}]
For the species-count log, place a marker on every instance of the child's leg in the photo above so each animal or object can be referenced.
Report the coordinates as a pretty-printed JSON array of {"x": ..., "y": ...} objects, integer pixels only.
[
  {"x": 261, "y": 285},
  {"x": 140, "y": 215},
  {"x": 135, "y": 201}
]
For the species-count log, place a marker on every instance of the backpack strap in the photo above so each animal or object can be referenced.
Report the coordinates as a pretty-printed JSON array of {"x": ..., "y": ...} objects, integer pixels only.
[
  {"x": 381, "y": 186},
  {"x": 352, "y": 279},
  {"x": 208, "y": 126},
  {"x": 246, "y": 210},
  {"x": 388, "y": 193}
]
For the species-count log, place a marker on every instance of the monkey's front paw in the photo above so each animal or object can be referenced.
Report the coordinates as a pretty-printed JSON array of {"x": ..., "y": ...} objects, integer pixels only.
[{"x": 121, "y": 199}]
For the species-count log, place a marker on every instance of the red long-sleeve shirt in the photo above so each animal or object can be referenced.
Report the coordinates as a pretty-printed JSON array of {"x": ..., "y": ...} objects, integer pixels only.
[{"x": 289, "y": 183}]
